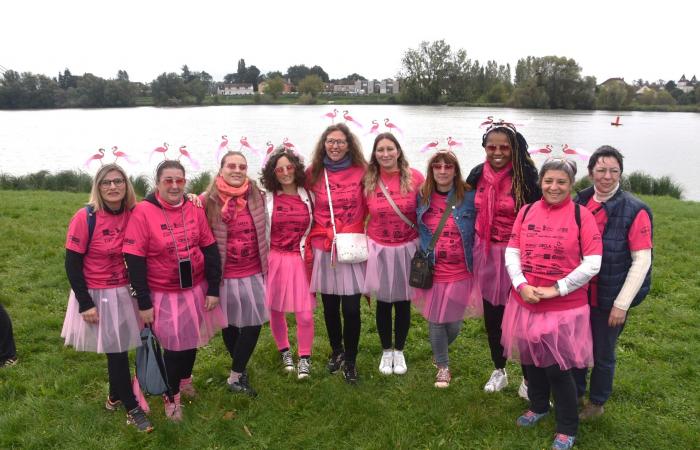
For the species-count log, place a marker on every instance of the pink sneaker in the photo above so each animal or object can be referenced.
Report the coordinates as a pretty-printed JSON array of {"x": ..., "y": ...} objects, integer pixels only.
[
  {"x": 187, "y": 388},
  {"x": 173, "y": 410}
]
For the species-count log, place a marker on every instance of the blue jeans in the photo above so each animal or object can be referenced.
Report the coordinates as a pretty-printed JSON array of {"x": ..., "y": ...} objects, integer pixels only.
[{"x": 603, "y": 372}]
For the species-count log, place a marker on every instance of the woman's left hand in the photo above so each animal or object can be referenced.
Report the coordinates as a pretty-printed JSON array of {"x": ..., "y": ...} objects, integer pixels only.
[
  {"x": 210, "y": 302},
  {"x": 617, "y": 317},
  {"x": 194, "y": 199}
]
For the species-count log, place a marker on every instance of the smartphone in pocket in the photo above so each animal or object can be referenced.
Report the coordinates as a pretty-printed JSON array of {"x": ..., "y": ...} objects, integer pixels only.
[{"x": 185, "y": 267}]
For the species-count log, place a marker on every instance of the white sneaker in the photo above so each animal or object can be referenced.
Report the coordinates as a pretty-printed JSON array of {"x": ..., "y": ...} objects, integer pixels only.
[
  {"x": 399, "y": 363},
  {"x": 498, "y": 381},
  {"x": 522, "y": 390},
  {"x": 386, "y": 365}
]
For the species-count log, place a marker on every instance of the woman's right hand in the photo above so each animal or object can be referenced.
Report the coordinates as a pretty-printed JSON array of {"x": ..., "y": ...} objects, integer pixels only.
[
  {"x": 194, "y": 199},
  {"x": 91, "y": 316},
  {"x": 146, "y": 316},
  {"x": 530, "y": 294}
]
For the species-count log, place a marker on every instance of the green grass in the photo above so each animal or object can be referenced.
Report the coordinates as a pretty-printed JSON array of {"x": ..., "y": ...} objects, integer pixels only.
[{"x": 54, "y": 397}]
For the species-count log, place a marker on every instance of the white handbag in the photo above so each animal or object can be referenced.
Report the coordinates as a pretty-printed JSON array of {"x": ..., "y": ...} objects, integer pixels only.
[{"x": 349, "y": 248}]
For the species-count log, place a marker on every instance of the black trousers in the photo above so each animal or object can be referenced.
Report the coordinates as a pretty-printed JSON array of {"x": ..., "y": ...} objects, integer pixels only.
[
  {"x": 119, "y": 374},
  {"x": 179, "y": 366},
  {"x": 493, "y": 318},
  {"x": 401, "y": 324},
  {"x": 240, "y": 343},
  {"x": 337, "y": 335},
  {"x": 542, "y": 381},
  {"x": 7, "y": 340}
]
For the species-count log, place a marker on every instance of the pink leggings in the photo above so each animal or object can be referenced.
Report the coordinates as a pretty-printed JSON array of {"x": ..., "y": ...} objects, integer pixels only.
[{"x": 305, "y": 330}]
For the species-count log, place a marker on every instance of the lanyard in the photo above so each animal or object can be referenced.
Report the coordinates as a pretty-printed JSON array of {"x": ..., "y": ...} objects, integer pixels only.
[{"x": 170, "y": 229}]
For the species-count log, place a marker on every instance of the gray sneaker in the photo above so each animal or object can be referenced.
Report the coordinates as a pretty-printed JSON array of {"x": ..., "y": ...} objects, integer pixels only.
[
  {"x": 287, "y": 361},
  {"x": 304, "y": 368}
]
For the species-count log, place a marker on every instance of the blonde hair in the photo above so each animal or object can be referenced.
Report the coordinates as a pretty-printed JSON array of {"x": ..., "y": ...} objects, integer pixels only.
[{"x": 97, "y": 202}]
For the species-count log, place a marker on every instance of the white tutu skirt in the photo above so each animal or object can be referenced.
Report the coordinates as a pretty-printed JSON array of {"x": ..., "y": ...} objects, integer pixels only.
[
  {"x": 243, "y": 301},
  {"x": 287, "y": 286},
  {"x": 118, "y": 327},
  {"x": 388, "y": 267},
  {"x": 343, "y": 279}
]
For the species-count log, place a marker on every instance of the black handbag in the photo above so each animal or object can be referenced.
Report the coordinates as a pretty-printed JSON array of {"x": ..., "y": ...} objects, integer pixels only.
[{"x": 421, "y": 274}]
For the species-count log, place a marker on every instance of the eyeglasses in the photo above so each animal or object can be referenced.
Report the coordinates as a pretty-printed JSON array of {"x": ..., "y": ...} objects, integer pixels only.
[
  {"x": 602, "y": 171},
  {"x": 177, "y": 181},
  {"x": 117, "y": 182},
  {"x": 494, "y": 147},
  {"x": 280, "y": 170},
  {"x": 443, "y": 166},
  {"x": 232, "y": 166},
  {"x": 340, "y": 142}
]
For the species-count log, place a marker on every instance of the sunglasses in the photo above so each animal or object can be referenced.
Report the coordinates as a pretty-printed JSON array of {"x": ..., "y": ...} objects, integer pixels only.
[
  {"x": 177, "y": 181},
  {"x": 117, "y": 182},
  {"x": 444, "y": 166},
  {"x": 280, "y": 170},
  {"x": 232, "y": 166},
  {"x": 494, "y": 147}
]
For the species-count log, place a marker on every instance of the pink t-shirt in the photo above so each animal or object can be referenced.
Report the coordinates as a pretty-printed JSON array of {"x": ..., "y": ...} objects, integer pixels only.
[
  {"x": 290, "y": 219},
  {"x": 103, "y": 266},
  {"x": 548, "y": 240},
  {"x": 147, "y": 235},
  {"x": 242, "y": 254},
  {"x": 385, "y": 226},
  {"x": 348, "y": 200},
  {"x": 504, "y": 211},
  {"x": 450, "y": 264},
  {"x": 638, "y": 236}
]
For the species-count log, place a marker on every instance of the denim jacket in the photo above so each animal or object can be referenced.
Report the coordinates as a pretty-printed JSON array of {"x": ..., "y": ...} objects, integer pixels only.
[{"x": 464, "y": 215}]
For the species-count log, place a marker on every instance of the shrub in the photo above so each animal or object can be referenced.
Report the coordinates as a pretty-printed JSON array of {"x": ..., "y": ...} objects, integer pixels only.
[{"x": 199, "y": 183}]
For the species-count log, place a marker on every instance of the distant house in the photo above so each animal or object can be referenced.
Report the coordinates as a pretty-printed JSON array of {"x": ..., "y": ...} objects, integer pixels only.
[
  {"x": 288, "y": 87},
  {"x": 644, "y": 90},
  {"x": 686, "y": 86},
  {"x": 235, "y": 89},
  {"x": 613, "y": 81}
]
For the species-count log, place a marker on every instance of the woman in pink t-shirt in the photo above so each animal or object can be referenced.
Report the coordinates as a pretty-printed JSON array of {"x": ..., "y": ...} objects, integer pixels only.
[
  {"x": 504, "y": 183},
  {"x": 236, "y": 213},
  {"x": 553, "y": 252},
  {"x": 338, "y": 162},
  {"x": 175, "y": 270},
  {"x": 290, "y": 215},
  {"x": 393, "y": 240},
  {"x": 102, "y": 316}
]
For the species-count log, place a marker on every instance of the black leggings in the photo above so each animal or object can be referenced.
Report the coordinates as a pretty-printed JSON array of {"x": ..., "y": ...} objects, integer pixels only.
[
  {"x": 240, "y": 343},
  {"x": 493, "y": 318},
  {"x": 120, "y": 379},
  {"x": 563, "y": 388},
  {"x": 7, "y": 340},
  {"x": 402, "y": 323},
  {"x": 351, "y": 316},
  {"x": 179, "y": 366}
]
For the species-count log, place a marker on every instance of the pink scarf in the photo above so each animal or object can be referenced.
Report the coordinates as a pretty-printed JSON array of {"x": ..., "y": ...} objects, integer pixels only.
[
  {"x": 491, "y": 182},
  {"x": 228, "y": 193}
]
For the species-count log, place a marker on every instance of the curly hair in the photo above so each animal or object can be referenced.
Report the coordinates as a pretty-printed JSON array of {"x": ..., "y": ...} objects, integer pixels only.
[
  {"x": 372, "y": 174},
  {"x": 430, "y": 186},
  {"x": 269, "y": 180},
  {"x": 354, "y": 148}
]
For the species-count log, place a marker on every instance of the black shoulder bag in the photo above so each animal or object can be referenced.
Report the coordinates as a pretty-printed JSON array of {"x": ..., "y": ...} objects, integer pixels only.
[{"x": 421, "y": 275}]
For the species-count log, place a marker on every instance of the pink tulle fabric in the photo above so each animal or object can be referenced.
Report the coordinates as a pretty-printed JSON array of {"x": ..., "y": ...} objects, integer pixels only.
[
  {"x": 287, "y": 286},
  {"x": 243, "y": 301},
  {"x": 181, "y": 320},
  {"x": 343, "y": 279},
  {"x": 490, "y": 272},
  {"x": 386, "y": 277},
  {"x": 118, "y": 327},
  {"x": 447, "y": 302},
  {"x": 548, "y": 338}
]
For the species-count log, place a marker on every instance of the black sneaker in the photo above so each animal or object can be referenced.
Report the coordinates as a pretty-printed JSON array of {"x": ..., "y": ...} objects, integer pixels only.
[
  {"x": 350, "y": 373},
  {"x": 243, "y": 386},
  {"x": 335, "y": 361},
  {"x": 137, "y": 418}
]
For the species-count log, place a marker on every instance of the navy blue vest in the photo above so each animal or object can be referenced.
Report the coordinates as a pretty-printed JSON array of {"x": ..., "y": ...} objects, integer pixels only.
[{"x": 621, "y": 209}]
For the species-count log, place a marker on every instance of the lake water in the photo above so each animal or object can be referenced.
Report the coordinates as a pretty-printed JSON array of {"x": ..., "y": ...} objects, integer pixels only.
[{"x": 656, "y": 143}]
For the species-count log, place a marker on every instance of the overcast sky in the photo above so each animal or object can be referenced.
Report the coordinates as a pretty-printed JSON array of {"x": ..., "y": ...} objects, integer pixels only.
[{"x": 147, "y": 37}]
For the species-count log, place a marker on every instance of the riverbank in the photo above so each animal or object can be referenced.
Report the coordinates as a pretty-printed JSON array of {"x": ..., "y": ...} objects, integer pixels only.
[{"x": 54, "y": 397}]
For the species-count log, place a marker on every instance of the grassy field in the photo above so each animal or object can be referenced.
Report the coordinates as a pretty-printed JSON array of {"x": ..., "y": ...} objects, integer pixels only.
[{"x": 54, "y": 397}]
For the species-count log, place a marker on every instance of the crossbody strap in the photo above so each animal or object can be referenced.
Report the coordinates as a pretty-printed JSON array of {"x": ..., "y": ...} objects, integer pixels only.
[
  {"x": 393, "y": 205},
  {"x": 441, "y": 225},
  {"x": 330, "y": 201}
]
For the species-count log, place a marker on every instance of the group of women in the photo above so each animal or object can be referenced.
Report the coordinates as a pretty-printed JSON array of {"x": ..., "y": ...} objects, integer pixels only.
[{"x": 508, "y": 243}]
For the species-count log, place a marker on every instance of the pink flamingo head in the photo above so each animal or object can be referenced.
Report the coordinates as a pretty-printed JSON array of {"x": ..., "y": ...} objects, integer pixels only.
[
  {"x": 115, "y": 149},
  {"x": 270, "y": 147}
]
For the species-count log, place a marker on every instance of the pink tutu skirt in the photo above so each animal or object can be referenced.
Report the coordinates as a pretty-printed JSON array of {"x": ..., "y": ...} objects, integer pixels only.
[
  {"x": 343, "y": 279},
  {"x": 490, "y": 272},
  {"x": 548, "y": 338},
  {"x": 243, "y": 301},
  {"x": 181, "y": 320},
  {"x": 118, "y": 327},
  {"x": 451, "y": 301},
  {"x": 287, "y": 286},
  {"x": 386, "y": 277}
]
